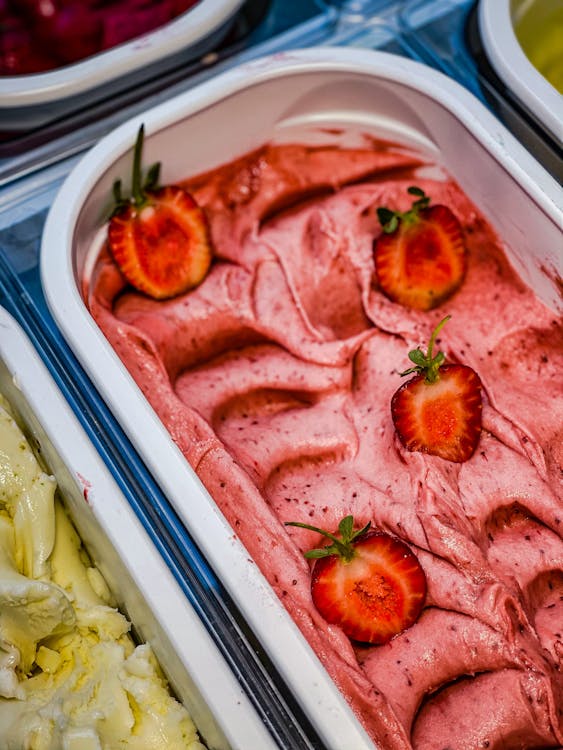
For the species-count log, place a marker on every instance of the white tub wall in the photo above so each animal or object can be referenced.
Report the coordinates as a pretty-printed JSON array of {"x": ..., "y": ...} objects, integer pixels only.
[
  {"x": 143, "y": 587},
  {"x": 540, "y": 99}
]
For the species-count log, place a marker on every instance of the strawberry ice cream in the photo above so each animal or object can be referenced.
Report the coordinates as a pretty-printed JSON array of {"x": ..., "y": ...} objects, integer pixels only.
[{"x": 275, "y": 376}]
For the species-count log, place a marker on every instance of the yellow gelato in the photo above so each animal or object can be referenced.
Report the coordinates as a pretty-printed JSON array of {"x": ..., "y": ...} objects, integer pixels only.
[
  {"x": 538, "y": 25},
  {"x": 71, "y": 677}
]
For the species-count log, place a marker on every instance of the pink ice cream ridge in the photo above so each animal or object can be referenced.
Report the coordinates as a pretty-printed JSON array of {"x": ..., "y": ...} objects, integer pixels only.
[{"x": 275, "y": 376}]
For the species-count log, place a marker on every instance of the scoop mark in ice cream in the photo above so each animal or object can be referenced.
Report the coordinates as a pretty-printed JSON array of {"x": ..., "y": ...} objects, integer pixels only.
[
  {"x": 439, "y": 410},
  {"x": 367, "y": 582},
  {"x": 158, "y": 236},
  {"x": 420, "y": 256}
]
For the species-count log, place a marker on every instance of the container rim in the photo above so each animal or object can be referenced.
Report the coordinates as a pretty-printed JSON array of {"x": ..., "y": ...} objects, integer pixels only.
[
  {"x": 511, "y": 63},
  {"x": 489, "y": 131},
  {"x": 188, "y": 29}
]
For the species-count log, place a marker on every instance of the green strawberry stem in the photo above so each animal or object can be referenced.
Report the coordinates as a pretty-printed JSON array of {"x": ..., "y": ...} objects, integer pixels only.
[
  {"x": 140, "y": 191},
  {"x": 342, "y": 547},
  {"x": 137, "y": 195},
  {"x": 389, "y": 219},
  {"x": 426, "y": 364}
]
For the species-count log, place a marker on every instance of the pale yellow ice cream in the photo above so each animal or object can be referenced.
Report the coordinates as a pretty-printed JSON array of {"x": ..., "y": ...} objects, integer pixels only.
[
  {"x": 71, "y": 677},
  {"x": 538, "y": 25}
]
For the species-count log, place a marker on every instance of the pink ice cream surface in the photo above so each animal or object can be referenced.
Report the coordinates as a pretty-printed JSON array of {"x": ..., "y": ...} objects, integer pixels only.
[{"x": 274, "y": 377}]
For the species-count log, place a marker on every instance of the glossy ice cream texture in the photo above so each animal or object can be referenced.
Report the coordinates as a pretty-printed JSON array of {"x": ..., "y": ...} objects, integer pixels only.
[
  {"x": 71, "y": 676},
  {"x": 274, "y": 377}
]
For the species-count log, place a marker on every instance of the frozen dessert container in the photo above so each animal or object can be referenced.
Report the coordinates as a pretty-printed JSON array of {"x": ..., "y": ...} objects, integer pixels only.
[
  {"x": 119, "y": 546},
  {"x": 498, "y": 22},
  {"x": 28, "y": 101},
  {"x": 303, "y": 96}
]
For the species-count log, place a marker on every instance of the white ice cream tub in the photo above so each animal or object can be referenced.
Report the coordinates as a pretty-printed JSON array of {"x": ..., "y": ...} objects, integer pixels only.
[
  {"x": 119, "y": 546},
  {"x": 282, "y": 98},
  {"x": 28, "y": 101},
  {"x": 540, "y": 99}
]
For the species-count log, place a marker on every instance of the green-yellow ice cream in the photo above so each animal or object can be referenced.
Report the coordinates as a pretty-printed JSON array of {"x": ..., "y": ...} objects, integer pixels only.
[
  {"x": 71, "y": 677},
  {"x": 538, "y": 25}
]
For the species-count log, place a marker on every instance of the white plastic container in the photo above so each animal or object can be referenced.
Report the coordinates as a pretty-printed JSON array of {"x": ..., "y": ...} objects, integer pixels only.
[
  {"x": 542, "y": 101},
  {"x": 28, "y": 101},
  {"x": 139, "y": 579},
  {"x": 287, "y": 95}
]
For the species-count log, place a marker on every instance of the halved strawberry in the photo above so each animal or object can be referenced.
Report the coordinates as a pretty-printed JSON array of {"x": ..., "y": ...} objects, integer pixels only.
[
  {"x": 159, "y": 237},
  {"x": 368, "y": 582},
  {"x": 420, "y": 257},
  {"x": 439, "y": 410}
]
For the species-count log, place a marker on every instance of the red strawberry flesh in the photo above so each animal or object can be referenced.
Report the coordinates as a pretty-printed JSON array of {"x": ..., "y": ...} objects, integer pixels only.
[
  {"x": 441, "y": 418},
  {"x": 159, "y": 237},
  {"x": 376, "y": 595},
  {"x": 163, "y": 249},
  {"x": 367, "y": 582},
  {"x": 439, "y": 410},
  {"x": 420, "y": 259}
]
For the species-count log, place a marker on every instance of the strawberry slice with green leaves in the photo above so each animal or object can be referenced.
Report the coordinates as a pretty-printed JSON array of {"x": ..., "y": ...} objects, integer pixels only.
[
  {"x": 159, "y": 236},
  {"x": 420, "y": 256},
  {"x": 368, "y": 582},
  {"x": 439, "y": 410}
]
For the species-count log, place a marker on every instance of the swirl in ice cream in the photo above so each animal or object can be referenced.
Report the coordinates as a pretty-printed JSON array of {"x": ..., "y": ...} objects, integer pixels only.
[
  {"x": 70, "y": 674},
  {"x": 275, "y": 376}
]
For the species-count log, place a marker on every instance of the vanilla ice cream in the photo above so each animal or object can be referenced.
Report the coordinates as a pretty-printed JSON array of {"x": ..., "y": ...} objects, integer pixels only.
[{"x": 71, "y": 677}]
